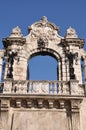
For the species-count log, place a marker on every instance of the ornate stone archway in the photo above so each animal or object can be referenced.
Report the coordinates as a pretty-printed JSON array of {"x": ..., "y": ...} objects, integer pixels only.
[
  {"x": 51, "y": 53},
  {"x": 43, "y": 37},
  {"x": 60, "y": 100}
]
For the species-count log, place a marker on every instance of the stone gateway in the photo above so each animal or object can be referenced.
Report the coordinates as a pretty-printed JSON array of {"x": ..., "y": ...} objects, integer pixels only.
[{"x": 43, "y": 105}]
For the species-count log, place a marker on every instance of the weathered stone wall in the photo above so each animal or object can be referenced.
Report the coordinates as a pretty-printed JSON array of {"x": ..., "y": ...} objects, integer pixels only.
[
  {"x": 43, "y": 38},
  {"x": 83, "y": 115},
  {"x": 39, "y": 120},
  {"x": 42, "y": 105}
]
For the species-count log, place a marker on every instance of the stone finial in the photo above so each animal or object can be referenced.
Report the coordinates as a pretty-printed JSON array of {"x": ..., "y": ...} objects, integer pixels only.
[
  {"x": 16, "y": 32},
  {"x": 71, "y": 33},
  {"x": 44, "y": 19}
]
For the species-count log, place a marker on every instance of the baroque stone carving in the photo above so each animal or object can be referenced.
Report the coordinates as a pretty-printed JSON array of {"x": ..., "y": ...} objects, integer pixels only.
[
  {"x": 44, "y": 30},
  {"x": 71, "y": 33},
  {"x": 51, "y": 101},
  {"x": 75, "y": 104},
  {"x": 71, "y": 57},
  {"x": 71, "y": 68},
  {"x": 42, "y": 42},
  {"x": 16, "y": 32},
  {"x": 44, "y": 23},
  {"x": 9, "y": 56}
]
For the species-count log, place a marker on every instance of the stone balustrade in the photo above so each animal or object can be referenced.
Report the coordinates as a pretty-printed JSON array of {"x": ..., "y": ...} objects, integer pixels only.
[
  {"x": 36, "y": 87},
  {"x": 42, "y": 87}
]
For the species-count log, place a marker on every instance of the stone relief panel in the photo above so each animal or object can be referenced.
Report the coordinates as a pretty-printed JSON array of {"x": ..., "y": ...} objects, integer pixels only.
[{"x": 44, "y": 30}]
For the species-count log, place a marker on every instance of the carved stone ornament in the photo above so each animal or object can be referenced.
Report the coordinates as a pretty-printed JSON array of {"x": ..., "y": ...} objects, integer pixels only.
[
  {"x": 71, "y": 33},
  {"x": 44, "y": 33},
  {"x": 9, "y": 57},
  {"x": 16, "y": 32},
  {"x": 76, "y": 58},
  {"x": 71, "y": 62},
  {"x": 75, "y": 104},
  {"x": 44, "y": 19},
  {"x": 44, "y": 23},
  {"x": 42, "y": 29},
  {"x": 42, "y": 42}
]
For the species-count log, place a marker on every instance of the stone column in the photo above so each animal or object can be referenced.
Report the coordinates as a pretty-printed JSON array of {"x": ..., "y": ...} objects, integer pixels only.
[
  {"x": 4, "y": 114},
  {"x": 68, "y": 114},
  {"x": 59, "y": 70},
  {"x": 6, "y": 69},
  {"x": 63, "y": 116},
  {"x": 85, "y": 73},
  {"x": 64, "y": 73},
  {"x": 85, "y": 68},
  {"x": 20, "y": 69},
  {"x": 1, "y": 62},
  {"x": 77, "y": 69},
  {"x": 67, "y": 69},
  {"x": 75, "y": 114}
]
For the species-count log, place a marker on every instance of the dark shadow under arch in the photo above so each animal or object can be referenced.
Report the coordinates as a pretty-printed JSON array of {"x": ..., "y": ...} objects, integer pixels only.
[{"x": 45, "y": 51}]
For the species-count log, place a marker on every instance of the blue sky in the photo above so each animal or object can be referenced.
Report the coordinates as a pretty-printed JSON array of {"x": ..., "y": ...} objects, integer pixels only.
[{"x": 23, "y": 13}]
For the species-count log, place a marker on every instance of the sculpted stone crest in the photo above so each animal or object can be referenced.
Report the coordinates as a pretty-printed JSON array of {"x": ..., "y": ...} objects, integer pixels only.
[{"x": 44, "y": 30}]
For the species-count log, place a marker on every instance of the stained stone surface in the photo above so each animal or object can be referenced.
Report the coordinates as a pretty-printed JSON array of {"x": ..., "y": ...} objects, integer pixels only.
[
  {"x": 39, "y": 120},
  {"x": 42, "y": 105}
]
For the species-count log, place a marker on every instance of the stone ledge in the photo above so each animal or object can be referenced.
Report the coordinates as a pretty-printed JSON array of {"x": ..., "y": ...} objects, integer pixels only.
[{"x": 39, "y": 102}]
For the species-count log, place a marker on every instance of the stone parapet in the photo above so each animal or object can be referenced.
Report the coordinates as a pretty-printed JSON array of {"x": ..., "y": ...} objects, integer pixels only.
[{"x": 42, "y": 87}]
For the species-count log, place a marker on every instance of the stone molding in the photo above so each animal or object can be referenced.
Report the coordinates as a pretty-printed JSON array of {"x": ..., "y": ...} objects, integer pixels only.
[{"x": 30, "y": 102}]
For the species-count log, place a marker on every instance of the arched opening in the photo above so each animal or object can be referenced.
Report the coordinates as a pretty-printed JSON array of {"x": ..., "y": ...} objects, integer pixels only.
[{"x": 43, "y": 68}]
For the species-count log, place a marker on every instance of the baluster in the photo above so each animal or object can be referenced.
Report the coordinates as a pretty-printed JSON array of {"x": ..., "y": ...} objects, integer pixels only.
[
  {"x": 34, "y": 87},
  {"x": 59, "y": 88},
  {"x": 30, "y": 87},
  {"x": 50, "y": 90},
  {"x": 27, "y": 88},
  {"x": 55, "y": 87},
  {"x": 14, "y": 89},
  {"x": 17, "y": 88}
]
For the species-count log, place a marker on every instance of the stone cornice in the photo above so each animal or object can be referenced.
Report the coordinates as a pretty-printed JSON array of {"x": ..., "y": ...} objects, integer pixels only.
[
  {"x": 39, "y": 101},
  {"x": 13, "y": 40},
  {"x": 38, "y": 96},
  {"x": 73, "y": 41}
]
